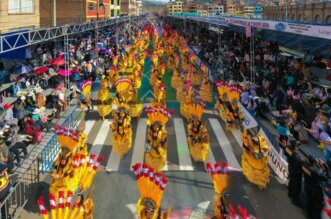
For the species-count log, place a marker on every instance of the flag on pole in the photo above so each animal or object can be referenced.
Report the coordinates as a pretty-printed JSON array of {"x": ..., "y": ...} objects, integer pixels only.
[{"x": 248, "y": 31}]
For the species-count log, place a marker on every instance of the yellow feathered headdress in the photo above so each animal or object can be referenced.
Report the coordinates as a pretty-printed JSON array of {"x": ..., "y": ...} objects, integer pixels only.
[
  {"x": 158, "y": 114},
  {"x": 115, "y": 60},
  {"x": 67, "y": 137},
  {"x": 223, "y": 88},
  {"x": 122, "y": 85},
  {"x": 219, "y": 175},
  {"x": 151, "y": 185},
  {"x": 196, "y": 109},
  {"x": 87, "y": 87}
]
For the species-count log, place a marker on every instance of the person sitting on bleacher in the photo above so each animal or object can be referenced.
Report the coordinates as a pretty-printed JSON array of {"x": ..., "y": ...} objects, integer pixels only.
[
  {"x": 16, "y": 87},
  {"x": 19, "y": 111},
  {"x": 5, "y": 157},
  {"x": 9, "y": 117},
  {"x": 61, "y": 93},
  {"x": 30, "y": 103},
  {"x": 32, "y": 129},
  {"x": 54, "y": 102},
  {"x": 39, "y": 119},
  {"x": 14, "y": 146}
]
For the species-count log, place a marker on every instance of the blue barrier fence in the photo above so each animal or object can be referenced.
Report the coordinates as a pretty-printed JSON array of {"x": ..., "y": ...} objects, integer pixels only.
[{"x": 52, "y": 148}]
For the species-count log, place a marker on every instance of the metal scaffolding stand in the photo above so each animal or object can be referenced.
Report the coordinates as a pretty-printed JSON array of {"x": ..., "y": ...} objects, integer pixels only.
[{"x": 13, "y": 41}]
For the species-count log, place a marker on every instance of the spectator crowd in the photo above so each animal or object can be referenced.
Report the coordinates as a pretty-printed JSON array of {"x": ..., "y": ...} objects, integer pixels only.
[{"x": 281, "y": 87}]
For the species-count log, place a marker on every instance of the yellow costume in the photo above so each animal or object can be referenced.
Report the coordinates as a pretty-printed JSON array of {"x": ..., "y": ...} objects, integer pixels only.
[
  {"x": 151, "y": 186},
  {"x": 220, "y": 177},
  {"x": 63, "y": 175},
  {"x": 86, "y": 91},
  {"x": 122, "y": 131},
  {"x": 255, "y": 159},
  {"x": 124, "y": 87},
  {"x": 104, "y": 92},
  {"x": 156, "y": 151},
  {"x": 184, "y": 105},
  {"x": 104, "y": 109},
  {"x": 228, "y": 104},
  {"x": 205, "y": 91},
  {"x": 71, "y": 169},
  {"x": 198, "y": 138},
  {"x": 175, "y": 80},
  {"x": 81, "y": 209},
  {"x": 113, "y": 74}
]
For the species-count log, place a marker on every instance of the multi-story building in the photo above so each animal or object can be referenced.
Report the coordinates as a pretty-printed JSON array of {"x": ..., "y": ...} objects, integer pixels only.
[
  {"x": 215, "y": 10},
  {"x": 175, "y": 7},
  {"x": 124, "y": 7},
  {"x": 231, "y": 9},
  {"x": 133, "y": 8},
  {"x": 253, "y": 11},
  {"x": 115, "y": 8},
  {"x": 73, "y": 11},
  {"x": 129, "y": 7},
  {"x": 313, "y": 12},
  {"x": 248, "y": 10},
  {"x": 202, "y": 9},
  {"x": 190, "y": 7},
  {"x": 239, "y": 9},
  {"x": 19, "y": 15},
  {"x": 140, "y": 7},
  {"x": 235, "y": 9}
]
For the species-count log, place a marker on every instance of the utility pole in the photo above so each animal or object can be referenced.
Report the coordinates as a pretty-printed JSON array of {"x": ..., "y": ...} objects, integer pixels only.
[{"x": 54, "y": 13}]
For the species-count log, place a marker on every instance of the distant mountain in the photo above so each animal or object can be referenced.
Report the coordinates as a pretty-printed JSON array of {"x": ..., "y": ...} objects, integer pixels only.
[{"x": 154, "y": 3}]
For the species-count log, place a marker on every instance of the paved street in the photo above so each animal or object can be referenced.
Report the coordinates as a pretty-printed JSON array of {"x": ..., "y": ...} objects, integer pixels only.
[{"x": 190, "y": 190}]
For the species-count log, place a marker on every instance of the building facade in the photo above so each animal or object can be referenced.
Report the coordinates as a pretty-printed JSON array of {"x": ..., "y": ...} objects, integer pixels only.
[
  {"x": 235, "y": 9},
  {"x": 253, "y": 11},
  {"x": 19, "y": 15},
  {"x": 215, "y": 10},
  {"x": 73, "y": 11},
  {"x": 314, "y": 13},
  {"x": 115, "y": 8},
  {"x": 175, "y": 7},
  {"x": 129, "y": 8},
  {"x": 202, "y": 10},
  {"x": 140, "y": 7}
]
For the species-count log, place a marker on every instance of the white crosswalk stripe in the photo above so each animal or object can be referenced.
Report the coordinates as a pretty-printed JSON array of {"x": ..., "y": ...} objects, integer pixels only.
[
  {"x": 113, "y": 161},
  {"x": 88, "y": 126},
  {"x": 224, "y": 144},
  {"x": 184, "y": 161},
  {"x": 139, "y": 143},
  {"x": 100, "y": 139}
]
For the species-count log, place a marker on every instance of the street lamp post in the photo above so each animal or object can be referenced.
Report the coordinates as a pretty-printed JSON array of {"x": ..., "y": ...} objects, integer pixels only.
[
  {"x": 97, "y": 22},
  {"x": 286, "y": 6}
]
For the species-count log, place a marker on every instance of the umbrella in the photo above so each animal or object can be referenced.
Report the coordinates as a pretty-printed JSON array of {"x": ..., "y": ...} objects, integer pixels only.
[
  {"x": 104, "y": 50},
  {"x": 58, "y": 61},
  {"x": 40, "y": 70},
  {"x": 21, "y": 69},
  {"x": 74, "y": 70},
  {"x": 76, "y": 77},
  {"x": 64, "y": 72}
]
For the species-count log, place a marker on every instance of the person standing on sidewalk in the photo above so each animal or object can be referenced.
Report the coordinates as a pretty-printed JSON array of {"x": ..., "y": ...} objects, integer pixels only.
[{"x": 295, "y": 173}]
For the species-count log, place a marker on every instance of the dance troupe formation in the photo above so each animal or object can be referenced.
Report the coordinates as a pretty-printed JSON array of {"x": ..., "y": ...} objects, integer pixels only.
[{"x": 74, "y": 171}]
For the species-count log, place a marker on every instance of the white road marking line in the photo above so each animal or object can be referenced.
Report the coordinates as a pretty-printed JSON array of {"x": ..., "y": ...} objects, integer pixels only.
[
  {"x": 114, "y": 160},
  {"x": 182, "y": 146},
  {"x": 88, "y": 126},
  {"x": 237, "y": 135},
  {"x": 210, "y": 157},
  {"x": 139, "y": 142},
  {"x": 224, "y": 144},
  {"x": 100, "y": 139}
]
